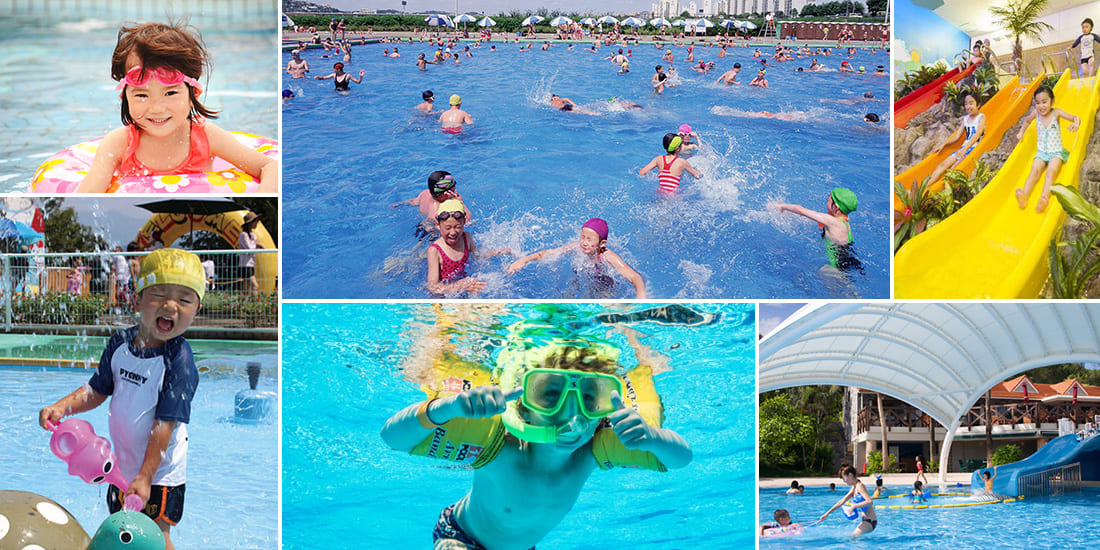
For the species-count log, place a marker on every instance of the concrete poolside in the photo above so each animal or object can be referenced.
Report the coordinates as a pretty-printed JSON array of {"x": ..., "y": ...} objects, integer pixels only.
[{"x": 890, "y": 480}]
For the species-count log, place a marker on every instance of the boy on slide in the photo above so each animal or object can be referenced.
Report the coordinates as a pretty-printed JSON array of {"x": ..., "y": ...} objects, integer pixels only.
[{"x": 556, "y": 416}]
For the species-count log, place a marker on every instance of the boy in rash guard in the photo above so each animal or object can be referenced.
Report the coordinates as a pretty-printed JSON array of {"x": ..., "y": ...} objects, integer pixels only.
[{"x": 150, "y": 375}]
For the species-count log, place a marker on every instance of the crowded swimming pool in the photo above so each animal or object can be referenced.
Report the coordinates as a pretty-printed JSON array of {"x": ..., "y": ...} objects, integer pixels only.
[{"x": 531, "y": 174}]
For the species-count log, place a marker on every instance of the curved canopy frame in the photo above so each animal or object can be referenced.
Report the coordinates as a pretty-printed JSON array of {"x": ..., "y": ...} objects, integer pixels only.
[{"x": 939, "y": 357}]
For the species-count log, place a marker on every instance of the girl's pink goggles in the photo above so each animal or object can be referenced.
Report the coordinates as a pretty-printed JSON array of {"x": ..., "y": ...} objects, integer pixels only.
[{"x": 139, "y": 76}]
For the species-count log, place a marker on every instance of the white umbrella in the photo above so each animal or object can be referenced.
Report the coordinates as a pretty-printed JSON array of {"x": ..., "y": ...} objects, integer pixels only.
[
  {"x": 531, "y": 21},
  {"x": 728, "y": 24},
  {"x": 633, "y": 22},
  {"x": 660, "y": 22},
  {"x": 439, "y": 20},
  {"x": 607, "y": 19},
  {"x": 287, "y": 22},
  {"x": 678, "y": 23},
  {"x": 748, "y": 25},
  {"x": 588, "y": 21},
  {"x": 465, "y": 18},
  {"x": 705, "y": 23},
  {"x": 486, "y": 22},
  {"x": 560, "y": 20}
]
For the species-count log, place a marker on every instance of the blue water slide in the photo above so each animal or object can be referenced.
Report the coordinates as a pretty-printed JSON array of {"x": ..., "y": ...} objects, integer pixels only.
[{"x": 1060, "y": 451}]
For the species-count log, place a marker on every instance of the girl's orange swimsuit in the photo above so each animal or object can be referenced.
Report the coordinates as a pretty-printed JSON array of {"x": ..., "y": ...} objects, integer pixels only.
[{"x": 198, "y": 160}]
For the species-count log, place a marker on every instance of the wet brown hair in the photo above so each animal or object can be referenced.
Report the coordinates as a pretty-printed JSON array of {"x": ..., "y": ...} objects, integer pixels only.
[{"x": 175, "y": 46}]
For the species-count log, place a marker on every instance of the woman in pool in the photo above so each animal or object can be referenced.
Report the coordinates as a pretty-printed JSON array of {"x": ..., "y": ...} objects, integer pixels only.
[
  {"x": 672, "y": 166},
  {"x": 860, "y": 501},
  {"x": 164, "y": 124},
  {"x": 592, "y": 243},
  {"x": 340, "y": 78}
]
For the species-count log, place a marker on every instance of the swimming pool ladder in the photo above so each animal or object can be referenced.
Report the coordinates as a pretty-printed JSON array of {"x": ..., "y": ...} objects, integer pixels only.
[
  {"x": 1055, "y": 63},
  {"x": 1053, "y": 481}
]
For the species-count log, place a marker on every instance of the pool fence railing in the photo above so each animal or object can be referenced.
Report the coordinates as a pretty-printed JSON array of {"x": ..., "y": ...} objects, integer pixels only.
[
  {"x": 1050, "y": 482},
  {"x": 80, "y": 293}
]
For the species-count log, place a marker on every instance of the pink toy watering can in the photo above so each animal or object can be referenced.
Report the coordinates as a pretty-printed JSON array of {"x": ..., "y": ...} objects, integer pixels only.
[{"x": 89, "y": 456}]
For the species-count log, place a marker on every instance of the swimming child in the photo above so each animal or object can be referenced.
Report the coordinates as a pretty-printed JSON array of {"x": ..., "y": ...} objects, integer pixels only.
[
  {"x": 835, "y": 230},
  {"x": 341, "y": 79},
  {"x": 1085, "y": 42},
  {"x": 667, "y": 56},
  {"x": 1049, "y": 153},
  {"x": 165, "y": 130},
  {"x": 659, "y": 79},
  {"x": 880, "y": 489},
  {"x": 846, "y": 67},
  {"x": 870, "y": 118},
  {"x": 288, "y": 95},
  {"x": 296, "y": 67},
  {"x": 592, "y": 243},
  {"x": 149, "y": 373},
  {"x": 782, "y": 519},
  {"x": 917, "y": 492},
  {"x": 795, "y": 488},
  {"x": 429, "y": 102},
  {"x": 557, "y": 416},
  {"x": 448, "y": 255},
  {"x": 441, "y": 188},
  {"x": 672, "y": 166},
  {"x": 860, "y": 501},
  {"x": 832, "y": 487},
  {"x": 455, "y": 117},
  {"x": 689, "y": 140},
  {"x": 730, "y": 76},
  {"x": 972, "y": 127},
  {"x": 988, "y": 480},
  {"x": 760, "y": 80},
  {"x": 422, "y": 63}
]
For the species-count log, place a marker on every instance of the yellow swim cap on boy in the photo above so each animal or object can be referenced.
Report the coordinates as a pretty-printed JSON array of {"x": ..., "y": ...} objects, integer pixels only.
[
  {"x": 456, "y": 100},
  {"x": 172, "y": 266},
  {"x": 451, "y": 205}
]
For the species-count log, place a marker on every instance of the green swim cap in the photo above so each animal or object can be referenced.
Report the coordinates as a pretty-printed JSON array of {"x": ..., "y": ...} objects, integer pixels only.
[
  {"x": 844, "y": 199},
  {"x": 674, "y": 144}
]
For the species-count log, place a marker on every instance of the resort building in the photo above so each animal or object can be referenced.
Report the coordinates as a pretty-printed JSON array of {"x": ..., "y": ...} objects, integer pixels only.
[{"x": 1023, "y": 413}]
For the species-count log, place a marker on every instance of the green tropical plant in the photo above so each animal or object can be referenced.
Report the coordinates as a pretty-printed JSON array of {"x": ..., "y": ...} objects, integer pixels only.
[
  {"x": 917, "y": 206},
  {"x": 1007, "y": 454},
  {"x": 1018, "y": 17},
  {"x": 962, "y": 186},
  {"x": 915, "y": 79},
  {"x": 874, "y": 463},
  {"x": 1075, "y": 264}
]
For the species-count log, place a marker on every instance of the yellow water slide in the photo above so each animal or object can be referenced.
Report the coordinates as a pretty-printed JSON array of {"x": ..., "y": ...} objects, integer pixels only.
[
  {"x": 991, "y": 248},
  {"x": 1002, "y": 111}
]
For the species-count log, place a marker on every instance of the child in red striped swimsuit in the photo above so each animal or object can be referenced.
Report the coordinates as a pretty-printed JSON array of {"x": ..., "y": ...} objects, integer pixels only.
[{"x": 672, "y": 166}]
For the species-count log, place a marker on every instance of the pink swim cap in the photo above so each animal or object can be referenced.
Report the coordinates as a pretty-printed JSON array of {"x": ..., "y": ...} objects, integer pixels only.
[
  {"x": 597, "y": 225},
  {"x": 685, "y": 129}
]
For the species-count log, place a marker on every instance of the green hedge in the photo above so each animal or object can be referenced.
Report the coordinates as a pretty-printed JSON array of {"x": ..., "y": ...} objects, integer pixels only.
[
  {"x": 258, "y": 310},
  {"x": 58, "y": 308}
]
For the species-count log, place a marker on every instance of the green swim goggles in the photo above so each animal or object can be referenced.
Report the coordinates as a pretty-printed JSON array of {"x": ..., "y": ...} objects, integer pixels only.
[{"x": 545, "y": 391}]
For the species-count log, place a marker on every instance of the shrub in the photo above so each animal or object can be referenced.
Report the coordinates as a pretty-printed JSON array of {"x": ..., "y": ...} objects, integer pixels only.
[
  {"x": 1007, "y": 454},
  {"x": 874, "y": 463}
]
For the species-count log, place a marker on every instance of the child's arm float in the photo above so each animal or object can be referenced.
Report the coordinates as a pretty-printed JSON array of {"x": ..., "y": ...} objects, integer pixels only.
[
  {"x": 255, "y": 163},
  {"x": 159, "y": 439},
  {"x": 411, "y": 425},
  {"x": 81, "y": 400},
  {"x": 634, "y": 433},
  {"x": 107, "y": 158},
  {"x": 627, "y": 273}
]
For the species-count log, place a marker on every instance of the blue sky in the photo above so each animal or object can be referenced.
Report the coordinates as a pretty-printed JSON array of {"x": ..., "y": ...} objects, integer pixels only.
[
  {"x": 771, "y": 314},
  {"x": 493, "y": 7}
]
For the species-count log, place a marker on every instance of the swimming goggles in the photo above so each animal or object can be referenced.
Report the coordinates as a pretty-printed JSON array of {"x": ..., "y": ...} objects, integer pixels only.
[
  {"x": 459, "y": 216},
  {"x": 545, "y": 391},
  {"x": 140, "y": 76},
  {"x": 442, "y": 186}
]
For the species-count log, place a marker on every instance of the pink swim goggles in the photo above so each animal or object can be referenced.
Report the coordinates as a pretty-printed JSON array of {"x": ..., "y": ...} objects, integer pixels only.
[{"x": 139, "y": 76}]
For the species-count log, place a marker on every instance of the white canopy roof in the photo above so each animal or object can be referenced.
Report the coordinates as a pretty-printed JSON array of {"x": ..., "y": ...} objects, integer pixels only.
[{"x": 938, "y": 357}]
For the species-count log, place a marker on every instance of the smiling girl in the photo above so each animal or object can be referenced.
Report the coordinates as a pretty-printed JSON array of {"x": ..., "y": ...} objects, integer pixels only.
[{"x": 164, "y": 122}]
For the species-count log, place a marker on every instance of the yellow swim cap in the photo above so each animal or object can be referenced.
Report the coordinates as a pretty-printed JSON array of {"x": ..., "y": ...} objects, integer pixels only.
[
  {"x": 455, "y": 100},
  {"x": 172, "y": 266},
  {"x": 668, "y": 51},
  {"x": 451, "y": 205}
]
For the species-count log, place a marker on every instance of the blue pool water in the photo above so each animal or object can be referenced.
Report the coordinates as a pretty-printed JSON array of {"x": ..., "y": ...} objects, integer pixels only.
[
  {"x": 1052, "y": 522},
  {"x": 532, "y": 175},
  {"x": 232, "y": 480},
  {"x": 75, "y": 100},
  {"x": 342, "y": 380}
]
